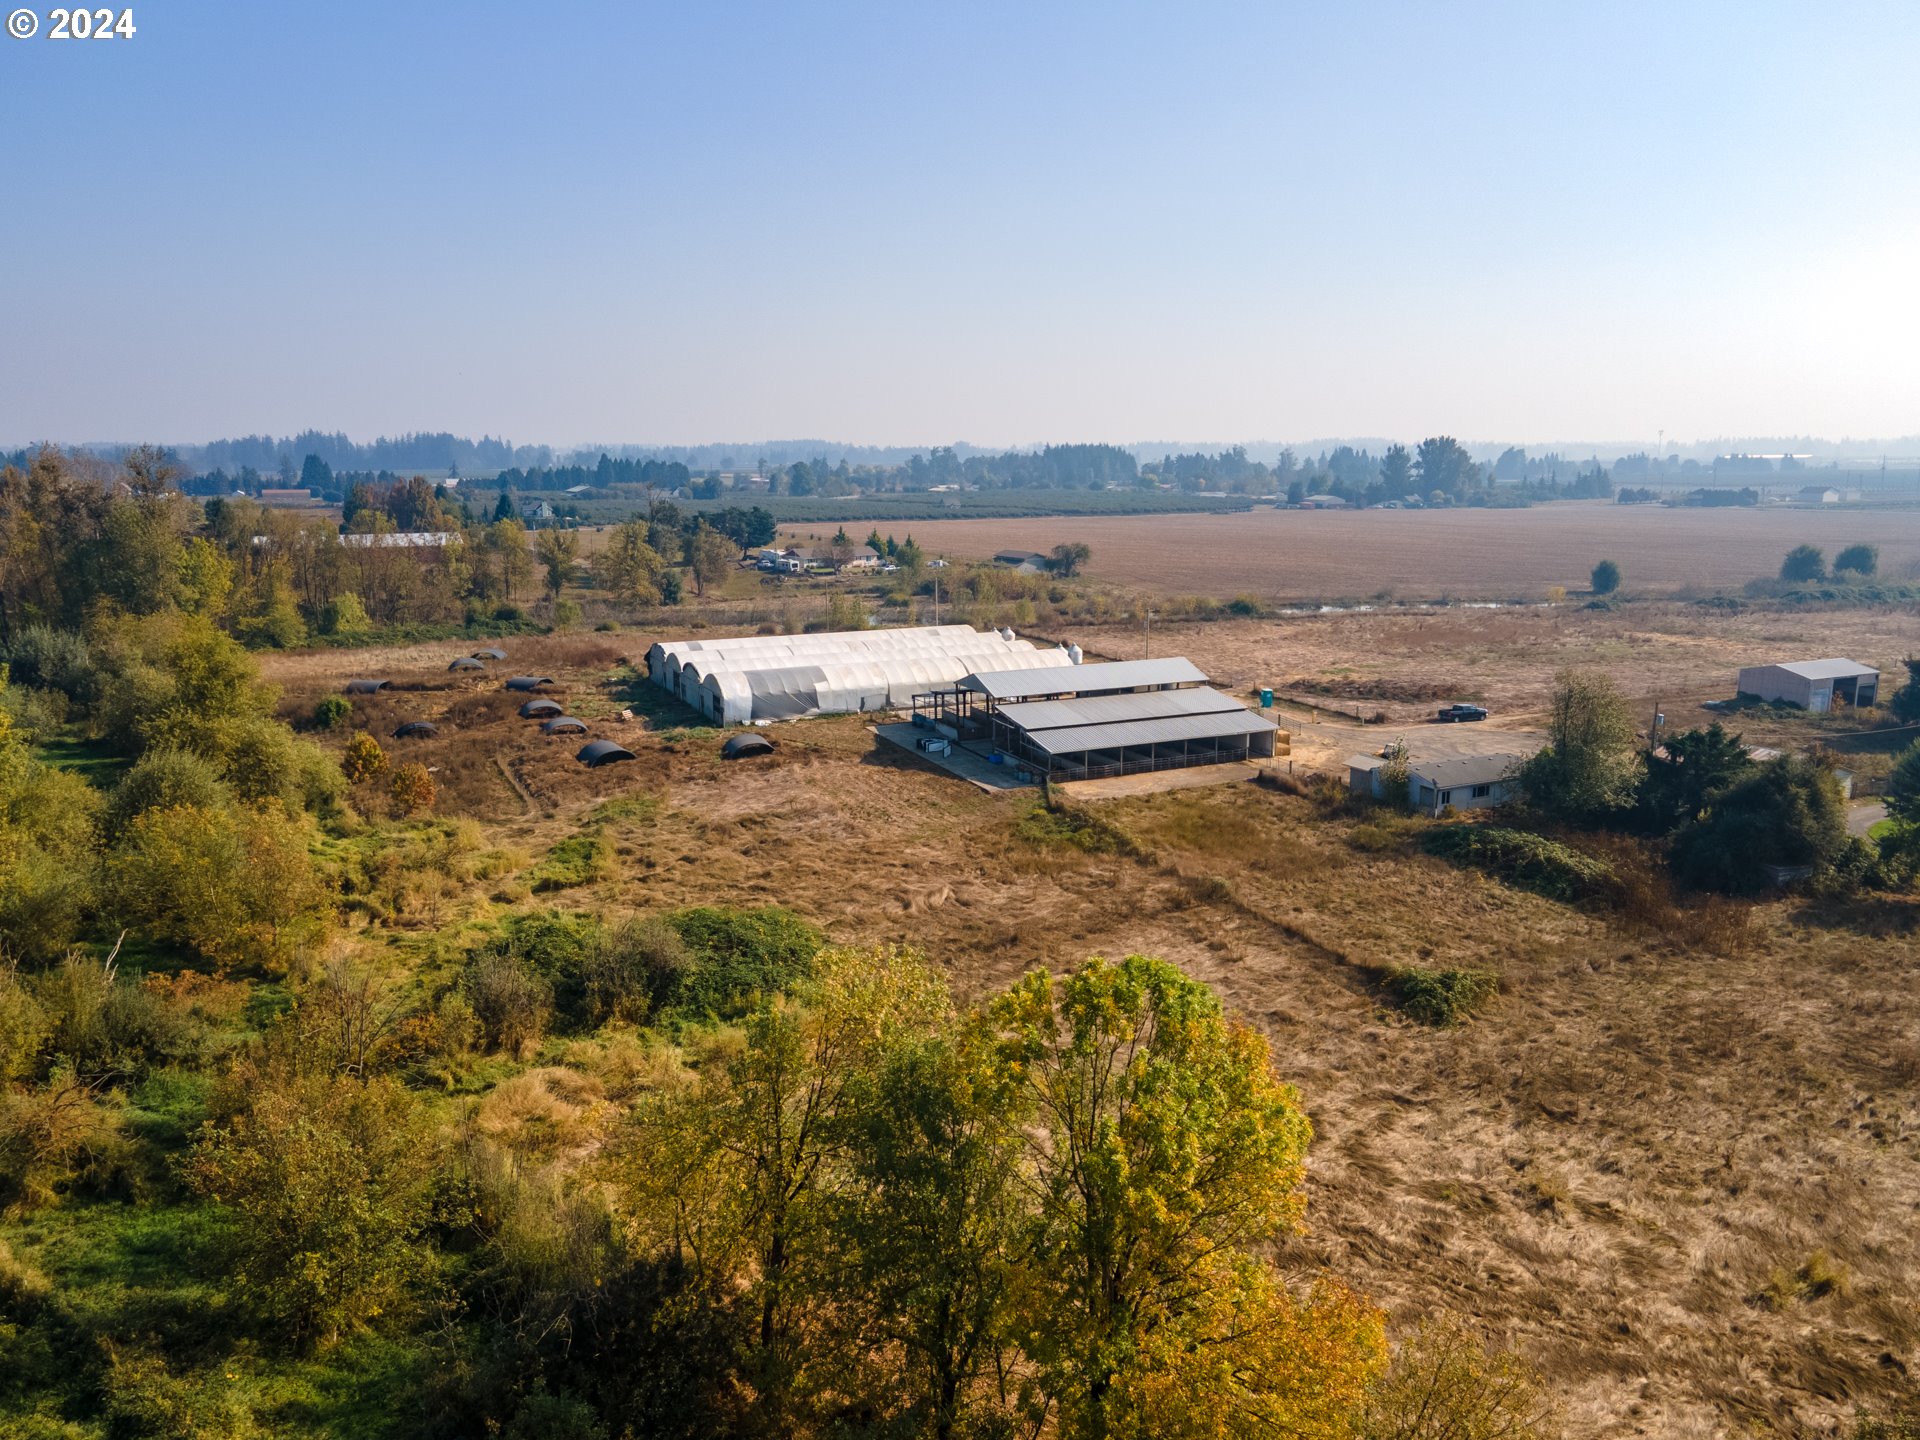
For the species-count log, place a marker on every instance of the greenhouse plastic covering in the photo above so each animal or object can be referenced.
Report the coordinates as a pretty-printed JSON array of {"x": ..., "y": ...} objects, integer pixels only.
[{"x": 778, "y": 677}]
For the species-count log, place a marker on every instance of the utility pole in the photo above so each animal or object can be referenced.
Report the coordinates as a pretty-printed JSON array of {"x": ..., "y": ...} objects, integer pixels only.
[
  {"x": 1149, "y": 635},
  {"x": 936, "y": 599},
  {"x": 1653, "y": 731}
]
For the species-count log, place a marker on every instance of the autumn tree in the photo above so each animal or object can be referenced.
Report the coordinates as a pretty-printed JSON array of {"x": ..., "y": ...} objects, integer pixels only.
[
  {"x": 1161, "y": 1151},
  {"x": 1590, "y": 766},
  {"x": 710, "y": 555},
  {"x": 559, "y": 551},
  {"x": 932, "y": 1221},
  {"x": 740, "y": 1175},
  {"x": 629, "y": 568}
]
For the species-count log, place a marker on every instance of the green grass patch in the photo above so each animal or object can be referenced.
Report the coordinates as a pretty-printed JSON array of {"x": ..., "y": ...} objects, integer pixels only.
[
  {"x": 94, "y": 761},
  {"x": 1442, "y": 998},
  {"x": 1522, "y": 859},
  {"x": 577, "y": 860},
  {"x": 1075, "y": 829},
  {"x": 626, "y": 809}
]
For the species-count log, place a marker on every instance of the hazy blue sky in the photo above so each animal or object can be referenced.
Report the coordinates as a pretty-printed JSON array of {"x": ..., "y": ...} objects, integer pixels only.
[{"x": 908, "y": 223}]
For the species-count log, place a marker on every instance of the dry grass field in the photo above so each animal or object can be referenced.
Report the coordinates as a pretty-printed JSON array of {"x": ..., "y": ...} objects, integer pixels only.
[
  {"x": 1684, "y": 1177},
  {"x": 1490, "y": 554},
  {"x": 1406, "y": 662}
]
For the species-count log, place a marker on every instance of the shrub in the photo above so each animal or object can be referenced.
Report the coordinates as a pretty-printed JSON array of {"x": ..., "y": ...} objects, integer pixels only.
[
  {"x": 332, "y": 712},
  {"x": 637, "y": 966},
  {"x": 162, "y": 780},
  {"x": 412, "y": 788},
  {"x": 1606, "y": 578},
  {"x": 1522, "y": 859},
  {"x": 512, "y": 1003},
  {"x": 1857, "y": 560},
  {"x": 143, "y": 1397},
  {"x": 234, "y": 885},
  {"x": 1440, "y": 997},
  {"x": 566, "y": 614},
  {"x": 329, "y": 1181},
  {"x": 737, "y": 954},
  {"x": 347, "y": 618},
  {"x": 1444, "y": 1384},
  {"x": 48, "y": 1137},
  {"x": 1804, "y": 562},
  {"x": 24, "y": 1028},
  {"x": 363, "y": 758}
]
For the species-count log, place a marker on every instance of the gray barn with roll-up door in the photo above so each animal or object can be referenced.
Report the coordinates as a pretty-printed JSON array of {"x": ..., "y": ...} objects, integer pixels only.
[{"x": 1815, "y": 685}]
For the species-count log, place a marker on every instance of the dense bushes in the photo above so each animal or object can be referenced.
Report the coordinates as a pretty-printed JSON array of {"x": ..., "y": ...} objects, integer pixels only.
[
  {"x": 1529, "y": 861},
  {"x": 734, "y": 955},
  {"x": 330, "y": 1183},
  {"x": 707, "y": 962},
  {"x": 1790, "y": 812}
]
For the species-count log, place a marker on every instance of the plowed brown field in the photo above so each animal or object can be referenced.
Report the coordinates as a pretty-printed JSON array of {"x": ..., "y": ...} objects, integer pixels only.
[{"x": 1493, "y": 554}]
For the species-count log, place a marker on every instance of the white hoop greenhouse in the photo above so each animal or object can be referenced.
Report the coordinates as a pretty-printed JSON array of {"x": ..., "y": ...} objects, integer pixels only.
[{"x": 781, "y": 677}]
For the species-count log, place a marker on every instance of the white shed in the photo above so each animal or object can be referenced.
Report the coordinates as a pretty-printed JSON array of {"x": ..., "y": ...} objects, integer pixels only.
[{"x": 1815, "y": 685}]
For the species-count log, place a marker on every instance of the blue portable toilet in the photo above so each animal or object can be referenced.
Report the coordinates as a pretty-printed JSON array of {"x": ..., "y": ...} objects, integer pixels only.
[{"x": 1266, "y": 698}]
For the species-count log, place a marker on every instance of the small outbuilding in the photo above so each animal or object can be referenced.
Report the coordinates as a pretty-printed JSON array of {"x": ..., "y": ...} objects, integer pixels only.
[
  {"x": 417, "y": 730},
  {"x": 466, "y": 662},
  {"x": 529, "y": 682},
  {"x": 596, "y": 753},
  {"x": 367, "y": 687},
  {"x": 740, "y": 746},
  {"x": 490, "y": 652},
  {"x": 562, "y": 724},
  {"x": 1815, "y": 685},
  {"x": 535, "y": 709}
]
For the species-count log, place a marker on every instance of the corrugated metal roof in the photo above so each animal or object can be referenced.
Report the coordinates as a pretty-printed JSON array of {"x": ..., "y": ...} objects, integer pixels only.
[
  {"x": 1111, "y": 675},
  {"x": 1152, "y": 732},
  {"x": 1826, "y": 669},
  {"x": 1035, "y": 715}
]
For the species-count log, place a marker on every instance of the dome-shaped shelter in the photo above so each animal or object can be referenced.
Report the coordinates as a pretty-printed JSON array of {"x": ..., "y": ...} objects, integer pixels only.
[
  {"x": 596, "y": 753},
  {"x": 563, "y": 725},
  {"x": 417, "y": 730},
  {"x": 741, "y": 746},
  {"x": 529, "y": 682},
  {"x": 367, "y": 687},
  {"x": 490, "y": 652},
  {"x": 466, "y": 662},
  {"x": 535, "y": 709}
]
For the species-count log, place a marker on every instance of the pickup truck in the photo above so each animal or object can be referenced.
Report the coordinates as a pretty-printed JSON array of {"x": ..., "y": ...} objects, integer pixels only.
[{"x": 1454, "y": 714}]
